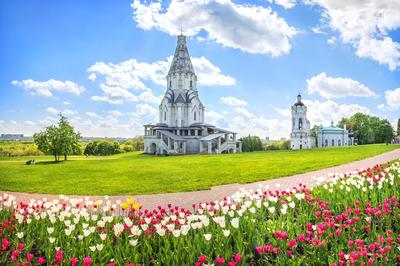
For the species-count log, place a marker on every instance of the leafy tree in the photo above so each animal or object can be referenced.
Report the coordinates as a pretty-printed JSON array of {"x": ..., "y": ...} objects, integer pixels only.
[
  {"x": 70, "y": 144},
  {"x": 368, "y": 129},
  {"x": 58, "y": 139},
  {"x": 251, "y": 143},
  {"x": 314, "y": 133},
  {"x": 102, "y": 147},
  {"x": 398, "y": 127}
]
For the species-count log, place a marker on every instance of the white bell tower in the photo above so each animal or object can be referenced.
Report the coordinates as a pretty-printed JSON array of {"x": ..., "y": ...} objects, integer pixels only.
[{"x": 301, "y": 135}]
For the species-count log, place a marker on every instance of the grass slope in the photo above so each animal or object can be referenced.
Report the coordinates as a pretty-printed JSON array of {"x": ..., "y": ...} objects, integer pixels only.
[{"x": 134, "y": 173}]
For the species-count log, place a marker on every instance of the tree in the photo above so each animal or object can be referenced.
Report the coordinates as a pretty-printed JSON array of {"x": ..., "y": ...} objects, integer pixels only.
[
  {"x": 251, "y": 143},
  {"x": 398, "y": 127},
  {"x": 58, "y": 140},
  {"x": 70, "y": 143},
  {"x": 368, "y": 129},
  {"x": 314, "y": 133}
]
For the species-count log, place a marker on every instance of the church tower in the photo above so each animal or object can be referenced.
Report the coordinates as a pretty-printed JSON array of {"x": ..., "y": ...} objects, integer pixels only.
[
  {"x": 181, "y": 105},
  {"x": 301, "y": 135}
]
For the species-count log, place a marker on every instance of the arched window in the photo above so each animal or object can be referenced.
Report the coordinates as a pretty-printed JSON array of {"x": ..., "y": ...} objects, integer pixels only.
[
  {"x": 326, "y": 142},
  {"x": 339, "y": 143},
  {"x": 333, "y": 142},
  {"x": 165, "y": 116},
  {"x": 191, "y": 84},
  {"x": 300, "y": 123},
  {"x": 170, "y": 84},
  {"x": 194, "y": 116}
]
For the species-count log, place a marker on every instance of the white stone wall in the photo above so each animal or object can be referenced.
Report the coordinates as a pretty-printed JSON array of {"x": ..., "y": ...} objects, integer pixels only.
[{"x": 335, "y": 136}]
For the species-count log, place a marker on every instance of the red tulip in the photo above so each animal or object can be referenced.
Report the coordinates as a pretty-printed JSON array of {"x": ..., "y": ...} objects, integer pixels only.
[
  {"x": 202, "y": 259},
  {"x": 74, "y": 261},
  {"x": 87, "y": 261},
  {"x": 41, "y": 260},
  {"x": 220, "y": 261}
]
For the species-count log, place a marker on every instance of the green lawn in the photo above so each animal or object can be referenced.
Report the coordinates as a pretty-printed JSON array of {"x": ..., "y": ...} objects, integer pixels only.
[{"x": 135, "y": 173}]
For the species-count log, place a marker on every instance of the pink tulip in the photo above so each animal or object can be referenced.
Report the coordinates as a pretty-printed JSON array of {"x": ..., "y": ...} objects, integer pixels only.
[
  {"x": 202, "y": 259},
  {"x": 87, "y": 261},
  {"x": 29, "y": 256},
  {"x": 259, "y": 250},
  {"x": 220, "y": 261},
  {"x": 41, "y": 260},
  {"x": 237, "y": 257},
  {"x": 292, "y": 243}
]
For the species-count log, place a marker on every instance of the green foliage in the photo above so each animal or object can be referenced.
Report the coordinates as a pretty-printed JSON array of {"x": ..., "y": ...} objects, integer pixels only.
[
  {"x": 314, "y": 133},
  {"x": 58, "y": 140},
  {"x": 368, "y": 129},
  {"x": 279, "y": 145},
  {"x": 135, "y": 144},
  {"x": 102, "y": 147},
  {"x": 17, "y": 148},
  {"x": 398, "y": 127},
  {"x": 134, "y": 173},
  {"x": 251, "y": 143}
]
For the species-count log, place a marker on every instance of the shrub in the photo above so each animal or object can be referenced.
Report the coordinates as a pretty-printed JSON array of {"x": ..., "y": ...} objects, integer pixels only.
[{"x": 102, "y": 147}]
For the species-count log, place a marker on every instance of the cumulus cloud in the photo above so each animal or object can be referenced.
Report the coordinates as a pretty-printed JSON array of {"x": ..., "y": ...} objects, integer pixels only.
[
  {"x": 366, "y": 25},
  {"x": 144, "y": 109},
  {"x": 125, "y": 81},
  {"x": 337, "y": 87},
  {"x": 46, "y": 88},
  {"x": 285, "y": 3},
  {"x": 232, "y": 101},
  {"x": 393, "y": 98},
  {"x": 323, "y": 112},
  {"x": 92, "y": 114},
  {"x": 53, "y": 110},
  {"x": 250, "y": 28}
]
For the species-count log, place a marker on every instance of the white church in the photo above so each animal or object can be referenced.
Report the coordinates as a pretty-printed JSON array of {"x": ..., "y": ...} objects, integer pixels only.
[
  {"x": 326, "y": 137},
  {"x": 181, "y": 128}
]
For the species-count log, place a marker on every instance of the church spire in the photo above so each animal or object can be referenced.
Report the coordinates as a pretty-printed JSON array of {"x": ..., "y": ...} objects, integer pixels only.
[{"x": 181, "y": 62}]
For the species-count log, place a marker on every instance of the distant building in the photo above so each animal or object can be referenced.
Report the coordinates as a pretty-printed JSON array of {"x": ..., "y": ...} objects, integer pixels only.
[
  {"x": 300, "y": 138},
  {"x": 11, "y": 136},
  {"x": 334, "y": 136},
  {"x": 181, "y": 128},
  {"x": 283, "y": 139}
]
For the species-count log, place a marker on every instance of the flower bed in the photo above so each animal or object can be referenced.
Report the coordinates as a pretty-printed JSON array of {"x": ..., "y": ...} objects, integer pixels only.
[{"x": 353, "y": 218}]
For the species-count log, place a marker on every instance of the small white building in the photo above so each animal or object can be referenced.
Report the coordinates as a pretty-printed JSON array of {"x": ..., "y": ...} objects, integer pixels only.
[
  {"x": 333, "y": 136},
  {"x": 300, "y": 137},
  {"x": 181, "y": 128}
]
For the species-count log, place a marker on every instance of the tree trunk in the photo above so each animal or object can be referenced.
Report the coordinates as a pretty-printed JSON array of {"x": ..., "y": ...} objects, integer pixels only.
[
  {"x": 65, "y": 157},
  {"x": 55, "y": 157}
]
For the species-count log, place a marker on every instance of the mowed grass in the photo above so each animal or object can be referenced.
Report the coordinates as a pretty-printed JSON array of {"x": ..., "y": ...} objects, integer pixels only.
[{"x": 135, "y": 173}]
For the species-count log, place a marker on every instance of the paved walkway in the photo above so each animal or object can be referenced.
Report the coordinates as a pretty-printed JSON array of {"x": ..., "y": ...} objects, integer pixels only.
[{"x": 186, "y": 199}]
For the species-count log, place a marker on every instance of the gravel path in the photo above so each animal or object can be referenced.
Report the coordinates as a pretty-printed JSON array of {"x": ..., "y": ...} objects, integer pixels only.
[{"x": 186, "y": 199}]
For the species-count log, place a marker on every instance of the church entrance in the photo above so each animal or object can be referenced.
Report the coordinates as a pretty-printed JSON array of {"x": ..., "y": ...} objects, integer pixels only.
[
  {"x": 153, "y": 148},
  {"x": 301, "y": 146}
]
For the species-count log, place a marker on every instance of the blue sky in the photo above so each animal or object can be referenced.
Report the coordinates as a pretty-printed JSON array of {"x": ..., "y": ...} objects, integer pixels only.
[{"x": 103, "y": 63}]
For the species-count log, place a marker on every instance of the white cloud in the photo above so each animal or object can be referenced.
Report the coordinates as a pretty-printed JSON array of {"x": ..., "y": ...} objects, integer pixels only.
[
  {"x": 250, "y": 28},
  {"x": 285, "y": 3},
  {"x": 337, "y": 87},
  {"x": 46, "y": 88},
  {"x": 92, "y": 114},
  {"x": 243, "y": 111},
  {"x": 393, "y": 98},
  {"x": 69, "y": 112},
  {"x": 282, "y": 111},
  {"x": 318, "y": 30},
  {"x": 52, "y": 110},
  {"x": 332, "y": 40},
  {"x": 66, "y": 103},
  {"x": 213, "y": 117},
  {"x": 209, "y": 74},
  {"x": 115, "y": 113},
  {"x": 123, "y": 79},
  {"x": 319, "y": 112},
  {"x": 366, "y": 25},
  {"x": 232, "y": 101},
  {"x": 143, "y": 109}
]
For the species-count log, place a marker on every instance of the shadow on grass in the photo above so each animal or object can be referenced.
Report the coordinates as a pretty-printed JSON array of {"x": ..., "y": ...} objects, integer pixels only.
[{"x": 47, "y": 162}]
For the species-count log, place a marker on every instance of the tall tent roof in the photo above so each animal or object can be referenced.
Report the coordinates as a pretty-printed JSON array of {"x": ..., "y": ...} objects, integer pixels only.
[{"x": 181, "y": 61}]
